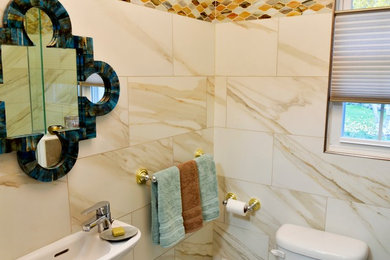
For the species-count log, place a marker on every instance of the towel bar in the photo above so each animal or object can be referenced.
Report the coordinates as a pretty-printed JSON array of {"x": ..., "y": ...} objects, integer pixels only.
[{"x": 142, "y": 175}]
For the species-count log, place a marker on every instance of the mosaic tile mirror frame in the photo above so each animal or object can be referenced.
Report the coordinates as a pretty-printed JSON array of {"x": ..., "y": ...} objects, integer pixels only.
[{"x": 14, "y": 33}]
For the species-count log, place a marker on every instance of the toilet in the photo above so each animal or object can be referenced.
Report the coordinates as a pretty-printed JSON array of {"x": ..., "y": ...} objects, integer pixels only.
[{"x": 302, "y": 243}]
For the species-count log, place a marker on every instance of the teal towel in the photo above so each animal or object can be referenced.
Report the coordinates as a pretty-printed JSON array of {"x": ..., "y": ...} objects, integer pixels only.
[
  {"x": 167, "y": 221},
  {"x": 208, "y": 186}
]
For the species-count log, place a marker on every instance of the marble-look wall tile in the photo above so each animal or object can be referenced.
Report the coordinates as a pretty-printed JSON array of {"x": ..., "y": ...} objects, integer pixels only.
[
  {"x": 127, "y": 219},
  {"x": 145, "y": 249},
  {"x": 163, "y": 107},
  {"x": 185, "y": 145},
  {"x": 198, "y": 246},
  {"x": 134, "y": 40},
  {"x": 220, "y": 96},
  {"x": 246, "y": 48},
  {"x": 304, "y": 45},
  {"x": 194, "y": 245},
  {"x": 359, "y": 221},
  {"x": 111, "y": 176},
  {"x": 170, "y": 255},
  {"x": 278, "y": 104},
  {"x": 33, "y": 213},
  {"x": 112, "y": 130},
  {"x": 234, "y": 243},
  {"x": 300, "y": 164},
  {"x": 278, "y": 206},
  {"x": 210, "y": 101},
  {"x": 244, "y": 155},
  {"x": 193, "y": 47}
]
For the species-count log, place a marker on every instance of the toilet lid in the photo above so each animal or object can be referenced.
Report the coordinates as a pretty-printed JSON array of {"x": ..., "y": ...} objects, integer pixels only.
[{"x": 319, "y": 244}]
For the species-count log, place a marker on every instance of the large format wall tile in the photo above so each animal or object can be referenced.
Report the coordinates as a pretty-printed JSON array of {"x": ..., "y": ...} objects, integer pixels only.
[
  {"x": 134, "y": 40},
  {"x": 367, "y": 223},
  {"x": 304, "y": 45},
  {"x": 185, "y": 145},
  {"x": 193, "y": 47},
  {"x": 246, "y": 48},
  {"x": 278, "y": 206},
  {"x": 236, "y": 243},
  {"x": 243, "y": 155},
  {"x": 145, "y": 249},
  {"x": 163, "y": 107},
  {"x": 195, "y": 246},
  {"x": 220, "y": 94},
  {"x": 210, "y": 101},
  {"x": 112, "y": 130},
  {"x": 198, "y": 246},
  {"x": 127, "y": 219},
  {"x": 300, "y": 164},
  {"x": 33, "y": 213},
  {"x": 111, "y": 176},
  {"x": 169, "y": 255},
  {"x": 278, "y": 104}
]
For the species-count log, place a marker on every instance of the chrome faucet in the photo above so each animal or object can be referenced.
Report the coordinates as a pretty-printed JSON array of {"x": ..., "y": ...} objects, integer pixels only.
[{"x": 102, "y": 219}]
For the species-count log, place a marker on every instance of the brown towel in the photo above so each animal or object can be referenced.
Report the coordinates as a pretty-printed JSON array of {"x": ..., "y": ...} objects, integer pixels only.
[{"x": 190, "y": 196}]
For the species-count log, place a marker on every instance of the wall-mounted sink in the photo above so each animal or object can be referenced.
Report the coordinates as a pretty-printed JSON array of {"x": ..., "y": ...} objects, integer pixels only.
[{"x": 85, "y": 246}]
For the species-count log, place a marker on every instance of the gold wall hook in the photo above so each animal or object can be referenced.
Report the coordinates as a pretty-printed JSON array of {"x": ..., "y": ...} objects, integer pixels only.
[{"x": 199, "y": 152}]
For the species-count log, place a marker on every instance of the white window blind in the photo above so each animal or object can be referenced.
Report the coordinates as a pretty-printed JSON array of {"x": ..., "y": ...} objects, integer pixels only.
[{"x": 360, "y": 69}]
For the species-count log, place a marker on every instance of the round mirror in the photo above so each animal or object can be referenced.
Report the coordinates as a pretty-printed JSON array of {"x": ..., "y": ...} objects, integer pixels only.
[
  {"x": 48, "y": 153},
  {"x": 92, "y": 88},
  {"x": 38, "y": 26}
]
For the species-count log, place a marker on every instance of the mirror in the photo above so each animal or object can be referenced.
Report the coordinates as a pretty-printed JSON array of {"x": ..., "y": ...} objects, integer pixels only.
[
  {"x": 92, "y": 88},
  {"x": 39, "y": 82},
  {"x": 48, "y": 153},
  {"x": 42, "y": 63}
]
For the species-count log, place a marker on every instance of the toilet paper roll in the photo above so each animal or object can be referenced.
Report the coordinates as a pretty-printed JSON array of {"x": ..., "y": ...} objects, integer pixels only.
[{"x": 236, "y": 207}]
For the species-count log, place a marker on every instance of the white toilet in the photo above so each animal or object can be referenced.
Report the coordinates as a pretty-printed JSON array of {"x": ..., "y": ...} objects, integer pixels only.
[{"x": 301, "y": 243}]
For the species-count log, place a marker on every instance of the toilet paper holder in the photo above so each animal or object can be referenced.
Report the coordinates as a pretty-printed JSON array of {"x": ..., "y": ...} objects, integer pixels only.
[{"x": 253, "y": 204}]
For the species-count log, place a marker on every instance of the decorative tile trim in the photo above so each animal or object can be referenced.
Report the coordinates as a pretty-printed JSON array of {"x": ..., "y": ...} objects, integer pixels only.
[
  {"x": 13, "y": 33},
  {"x": 238, "y": 10}
]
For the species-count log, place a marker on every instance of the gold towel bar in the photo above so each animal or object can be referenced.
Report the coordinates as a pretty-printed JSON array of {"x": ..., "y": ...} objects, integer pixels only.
[{"x": 142, "y": 175}]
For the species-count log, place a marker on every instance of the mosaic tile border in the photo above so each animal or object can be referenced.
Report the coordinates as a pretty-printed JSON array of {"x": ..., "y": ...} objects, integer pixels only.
[
  {"x": 237, "y": 10},
  {"x": 13, "y": 33}
]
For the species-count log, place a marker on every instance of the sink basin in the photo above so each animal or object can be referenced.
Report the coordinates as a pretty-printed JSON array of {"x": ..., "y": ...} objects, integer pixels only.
[{"x": 85, "y": 246}]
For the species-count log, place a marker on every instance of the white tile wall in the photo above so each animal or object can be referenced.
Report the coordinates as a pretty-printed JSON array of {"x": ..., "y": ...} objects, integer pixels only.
[
  {"x": 304, "y": 45},
  {"x": 244, "y": 155},
  {"x": 246, "y": 48}
]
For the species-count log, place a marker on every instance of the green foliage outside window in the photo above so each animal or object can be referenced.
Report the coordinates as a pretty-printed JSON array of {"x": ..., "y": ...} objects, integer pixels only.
[{"x": 358, "y": 4}]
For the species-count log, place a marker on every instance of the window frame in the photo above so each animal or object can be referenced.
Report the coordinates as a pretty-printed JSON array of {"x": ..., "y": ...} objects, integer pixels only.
[{"x": 334, "y": 143}]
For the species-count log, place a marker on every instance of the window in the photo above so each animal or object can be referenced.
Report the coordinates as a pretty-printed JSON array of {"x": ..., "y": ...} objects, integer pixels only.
[{"x": 358, "y": 120}]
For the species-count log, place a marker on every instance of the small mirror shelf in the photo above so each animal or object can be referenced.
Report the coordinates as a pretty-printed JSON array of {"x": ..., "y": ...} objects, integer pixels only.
[{"x": 43, "y": 69}]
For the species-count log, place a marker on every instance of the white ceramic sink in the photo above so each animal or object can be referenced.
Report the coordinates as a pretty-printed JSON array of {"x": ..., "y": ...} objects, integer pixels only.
[{"x": 85, "y": 246}]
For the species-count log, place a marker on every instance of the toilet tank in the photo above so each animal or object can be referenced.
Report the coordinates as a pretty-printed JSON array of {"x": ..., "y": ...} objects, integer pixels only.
[{"x": 318, "y": 244}]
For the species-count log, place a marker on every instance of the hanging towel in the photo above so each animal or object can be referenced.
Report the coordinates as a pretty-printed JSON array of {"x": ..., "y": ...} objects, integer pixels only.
[
  {"x": 190, "y": 196},
  {"x": 167, "y": 221},
  {"x": 208, "y": 187}
]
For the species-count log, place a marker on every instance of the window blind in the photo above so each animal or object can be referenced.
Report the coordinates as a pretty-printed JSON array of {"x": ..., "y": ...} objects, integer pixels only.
[{"x": 360, "y": 69}]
